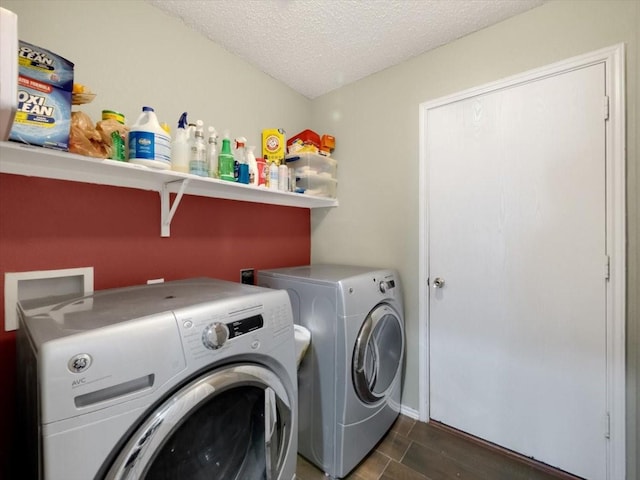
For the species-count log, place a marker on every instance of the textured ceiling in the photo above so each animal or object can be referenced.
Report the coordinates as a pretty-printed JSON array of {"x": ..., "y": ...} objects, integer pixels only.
[{"x": 316, "y": 46}]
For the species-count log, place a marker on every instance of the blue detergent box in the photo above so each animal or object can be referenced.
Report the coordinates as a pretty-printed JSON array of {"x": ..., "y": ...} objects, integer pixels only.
[
  {"x": 45, "y": 84},
  {"x": 43, "y": 116},
  {"x": 45, "y": 66}
]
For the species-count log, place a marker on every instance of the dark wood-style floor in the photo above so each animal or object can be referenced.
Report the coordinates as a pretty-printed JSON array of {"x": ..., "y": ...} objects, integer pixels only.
[{"x": 415, "y": 450}]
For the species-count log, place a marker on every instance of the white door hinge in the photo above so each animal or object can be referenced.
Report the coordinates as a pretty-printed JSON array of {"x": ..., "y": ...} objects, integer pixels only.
[
  {"x": 607, "y": 425},
  {"x": 607, "y": 267},
  {"x": 606, "y": 108}
]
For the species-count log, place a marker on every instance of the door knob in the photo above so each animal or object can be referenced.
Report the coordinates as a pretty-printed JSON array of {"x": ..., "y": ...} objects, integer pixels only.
[{"x": 438, "y": 282}]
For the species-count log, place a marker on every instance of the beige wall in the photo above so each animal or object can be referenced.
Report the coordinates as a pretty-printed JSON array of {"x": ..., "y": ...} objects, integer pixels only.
[
  {"x": 375, "y": 122},
  {"x": 132, "y": 54}
]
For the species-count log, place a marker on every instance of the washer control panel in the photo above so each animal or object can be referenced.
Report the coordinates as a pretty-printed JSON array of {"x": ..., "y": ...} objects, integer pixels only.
[
  {"x": 225, "y": 331},
  {"x": 235, "y": 326},
  {"x": 216, "y": 334}
]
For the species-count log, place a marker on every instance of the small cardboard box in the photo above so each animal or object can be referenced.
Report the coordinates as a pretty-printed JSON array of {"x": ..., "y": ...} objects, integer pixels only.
[
  {"x": 273, "y": 145},
  {"x": 43, "y": 117},
  {"x": 45, "y": 66}
]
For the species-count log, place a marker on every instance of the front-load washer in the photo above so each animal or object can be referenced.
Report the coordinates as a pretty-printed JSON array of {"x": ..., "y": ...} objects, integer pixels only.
[
  {"x": 349, "y": 381},
  {"x": 191, "y": 379}
]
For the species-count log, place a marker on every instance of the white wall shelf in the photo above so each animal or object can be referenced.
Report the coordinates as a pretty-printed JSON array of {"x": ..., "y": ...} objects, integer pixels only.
[{"x": 32, "y": 161}]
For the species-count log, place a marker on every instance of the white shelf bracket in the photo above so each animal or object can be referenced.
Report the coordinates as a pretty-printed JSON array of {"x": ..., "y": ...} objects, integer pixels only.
[{"x": 167, "y": 211}]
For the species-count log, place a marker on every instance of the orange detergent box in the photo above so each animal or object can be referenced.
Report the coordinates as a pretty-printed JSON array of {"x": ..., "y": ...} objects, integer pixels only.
[{"x": 273, "y": 145}]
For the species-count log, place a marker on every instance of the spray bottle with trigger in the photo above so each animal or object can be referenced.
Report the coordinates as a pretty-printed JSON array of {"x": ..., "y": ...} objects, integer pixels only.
[
  {"x": 253, "y": 165},
  {"x": 180, "y": 148},
  {"x": 212, "y": 153},
  {"x": 241, "y": 161},
  {"x": 225, "y": 159}
]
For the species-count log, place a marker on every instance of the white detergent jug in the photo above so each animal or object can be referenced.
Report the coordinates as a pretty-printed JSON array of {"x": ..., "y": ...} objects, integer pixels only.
[{"x": 149, "y": 143}]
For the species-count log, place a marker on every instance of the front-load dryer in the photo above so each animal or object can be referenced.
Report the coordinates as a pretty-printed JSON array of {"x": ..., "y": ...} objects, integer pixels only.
[
  {"x": 192, "y": 379},
  {"x": 349, "y": 381}
]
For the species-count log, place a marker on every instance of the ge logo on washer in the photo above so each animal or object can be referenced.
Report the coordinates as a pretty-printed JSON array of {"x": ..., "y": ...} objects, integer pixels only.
[{"x": 79, "y": 363}]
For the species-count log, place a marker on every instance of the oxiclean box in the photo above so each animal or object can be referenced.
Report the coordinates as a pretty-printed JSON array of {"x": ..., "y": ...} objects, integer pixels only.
[
  {"x": 45, "y": 66},
  {"x": 45, "y": 84},
  {"x": 43, "y": 117}
]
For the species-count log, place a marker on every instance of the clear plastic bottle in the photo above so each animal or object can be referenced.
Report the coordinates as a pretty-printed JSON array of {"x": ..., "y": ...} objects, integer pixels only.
[
  {"x": 149, "y": 144},
  {"x": 212, "y": 153},
  {"x": 191, "y": 136},
  {"x": 198, "y": 163}
]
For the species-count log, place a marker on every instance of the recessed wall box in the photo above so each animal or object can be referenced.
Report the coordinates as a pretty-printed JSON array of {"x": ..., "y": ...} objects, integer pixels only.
[{"x": 22, "y": 286}]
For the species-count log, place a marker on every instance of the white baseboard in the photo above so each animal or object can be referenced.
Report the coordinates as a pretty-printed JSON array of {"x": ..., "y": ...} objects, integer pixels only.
[{"x": 409, "y": 412}]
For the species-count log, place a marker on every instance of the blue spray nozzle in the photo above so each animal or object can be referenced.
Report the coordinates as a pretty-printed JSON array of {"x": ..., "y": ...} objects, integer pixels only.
[{"x": 182, "y": 122}]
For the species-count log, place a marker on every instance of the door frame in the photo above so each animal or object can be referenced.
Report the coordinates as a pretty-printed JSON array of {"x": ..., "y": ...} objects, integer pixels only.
[{"x": 614, "y": 60}]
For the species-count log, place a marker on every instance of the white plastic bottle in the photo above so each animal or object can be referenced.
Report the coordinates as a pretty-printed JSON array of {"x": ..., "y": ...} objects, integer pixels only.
[
  {"x": 149, "y": 144},
  {"x": 180, "y": 152},
  {"x": 198, "y": 163},
  {"x": 273, "y": 175},
  {"x": 283, "y": 178},
  {"x": 253, "y": 165}
]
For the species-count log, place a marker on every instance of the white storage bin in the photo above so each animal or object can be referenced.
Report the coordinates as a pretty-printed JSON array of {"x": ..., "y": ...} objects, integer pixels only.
[
  {"x": 309, "y": 164},
  {"x": 315, "y": 174},
  {"x": 316, "y": 185}
]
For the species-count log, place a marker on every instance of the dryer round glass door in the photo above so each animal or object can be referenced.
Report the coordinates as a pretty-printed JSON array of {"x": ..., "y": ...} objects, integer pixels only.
[
  {"x": 378, "y": 354},
  {"x": 234, "y": 423}
]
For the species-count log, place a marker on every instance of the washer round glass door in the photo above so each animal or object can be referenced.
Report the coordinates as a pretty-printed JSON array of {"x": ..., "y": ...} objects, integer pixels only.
[
  {"x": 378, "y": 354},
  {"x": 232, "y": 424}
]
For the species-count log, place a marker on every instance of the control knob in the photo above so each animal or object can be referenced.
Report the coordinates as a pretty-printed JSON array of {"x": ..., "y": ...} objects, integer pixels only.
[
  {"x": 385, "y": 285},
  {"x": 215, "y": 335}
]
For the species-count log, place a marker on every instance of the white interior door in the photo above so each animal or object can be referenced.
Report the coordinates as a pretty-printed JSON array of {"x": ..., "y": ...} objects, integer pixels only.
[{"x": 517, "y": 232}]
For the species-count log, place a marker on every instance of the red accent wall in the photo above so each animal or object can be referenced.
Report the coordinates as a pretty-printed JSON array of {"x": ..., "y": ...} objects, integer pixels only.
[{"x": 52, "y": 224}]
